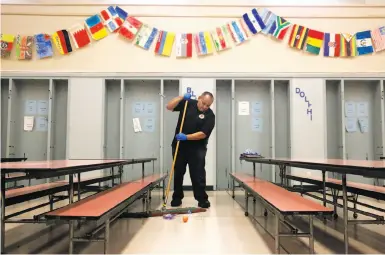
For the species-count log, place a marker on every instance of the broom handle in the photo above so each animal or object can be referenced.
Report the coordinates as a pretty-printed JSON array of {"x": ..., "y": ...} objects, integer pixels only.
[{"x": 175, "y": 155}]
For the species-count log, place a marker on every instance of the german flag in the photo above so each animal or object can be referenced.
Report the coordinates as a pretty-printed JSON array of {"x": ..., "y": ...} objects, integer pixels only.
[
  {"x": 298, "y": 36},
  {"x": 62, "y": 41},
  {"x": 348, "y": 45}
]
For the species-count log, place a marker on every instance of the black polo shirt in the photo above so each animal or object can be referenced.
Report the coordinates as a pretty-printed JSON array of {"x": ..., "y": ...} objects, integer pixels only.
[{"x": 194, "y": 121}]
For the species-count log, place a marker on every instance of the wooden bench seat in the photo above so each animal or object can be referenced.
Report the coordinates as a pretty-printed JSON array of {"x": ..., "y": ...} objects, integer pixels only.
[
  {"x": 93, "y": 207},
  {"x": 105, "y": 207},
  {"x": 32, "y": 189},
  {"x": 283, "y": 203},
  {"x": 152, "y": 178},
  {"x": 335, "y": 186},
  {"x": 244, "y": 177},
  {"x": 286, "y": 202},
  {"x": 335, "y": 183},
  {"x": 19, "y": 195},
  {"x": 14, "y": 175}
]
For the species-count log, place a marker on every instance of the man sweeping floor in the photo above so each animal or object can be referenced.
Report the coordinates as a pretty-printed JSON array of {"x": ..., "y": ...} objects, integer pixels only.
[{"x": 198, "y": 125}]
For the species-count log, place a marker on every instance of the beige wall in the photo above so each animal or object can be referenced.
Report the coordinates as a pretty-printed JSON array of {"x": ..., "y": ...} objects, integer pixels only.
[{"x": 260, "y": 55}]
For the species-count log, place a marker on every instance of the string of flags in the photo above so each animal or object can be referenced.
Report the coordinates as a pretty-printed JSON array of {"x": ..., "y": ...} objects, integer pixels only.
[{"x": 115, "y": 20}]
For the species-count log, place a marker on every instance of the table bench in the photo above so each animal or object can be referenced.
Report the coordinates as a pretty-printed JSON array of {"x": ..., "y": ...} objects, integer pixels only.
[
  {"x": 366, "y": 190},
  {"x": 56, "y": 168},
  {"x": 281, "y": 203},
  {"x": 27, "y": 193},
  {"x": 104, "y": 207}
]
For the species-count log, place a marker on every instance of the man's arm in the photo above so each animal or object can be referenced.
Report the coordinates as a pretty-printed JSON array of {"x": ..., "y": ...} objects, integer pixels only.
[
  {"x": 206, "y": 130},
  {"x": 196, "y": 136},
  {"x": 174, "y": 103}
]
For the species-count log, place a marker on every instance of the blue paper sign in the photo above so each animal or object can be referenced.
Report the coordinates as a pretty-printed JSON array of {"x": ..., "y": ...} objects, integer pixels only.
[
  {"x": 257, "y": 124},
  {"x": 257, "y": 108},
  {"x": 149, "y": 108},
  {"x": 30, "y": 107},
  {"x": 149, "y": 125},
  {"x": 41, "y": 124},
  {"x": 137, "y": 108}
]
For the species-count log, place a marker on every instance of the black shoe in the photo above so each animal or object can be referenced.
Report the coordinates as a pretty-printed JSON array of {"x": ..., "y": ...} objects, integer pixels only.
[
  {"x": 176, "y": 202},
  {"x": 204, "y": 204}
]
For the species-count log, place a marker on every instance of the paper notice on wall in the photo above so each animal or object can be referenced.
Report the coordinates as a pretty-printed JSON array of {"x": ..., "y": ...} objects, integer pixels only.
[
  {"x": 30, "y": 107},
  {"x": 257, "y": 124},
  {"x": 351, "y": 125},
  {"x": 149, "y": 125},
  {"x": 243, "y": 108},
  {"x": 42, "y": 124},
  {"x": 28, "y": 123},
  {"x": 362, "y": 109},
  {"x": 364, "y": 124},
  {"x": 149, "y": 108},
  {"x": 136, "y": 125},
  {"x": 42, "y": 107},
  {"x": 137, "y": 108},
  {"x": 257, "y": 108},
  {"x": 350, "y": 109}
]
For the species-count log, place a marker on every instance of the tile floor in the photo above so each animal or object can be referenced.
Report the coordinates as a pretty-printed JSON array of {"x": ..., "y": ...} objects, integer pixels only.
[{"x": 223, "y": 229}]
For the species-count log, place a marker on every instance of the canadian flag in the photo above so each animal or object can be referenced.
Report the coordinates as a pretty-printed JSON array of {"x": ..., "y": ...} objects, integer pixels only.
[{"x": 130, "y": 28}]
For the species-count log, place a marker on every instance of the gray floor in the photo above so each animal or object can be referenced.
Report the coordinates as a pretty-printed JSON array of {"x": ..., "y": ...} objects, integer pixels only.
[{"x": 222, "y": 229}]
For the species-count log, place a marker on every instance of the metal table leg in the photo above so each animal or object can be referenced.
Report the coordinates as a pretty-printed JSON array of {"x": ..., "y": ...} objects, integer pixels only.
[
  {"x": 148, "y": 201},
  {"x": 120, "y": 173},
  {"x": 311, "y": 238},
  {"x": 246, "y": 203},
  {"x": 345, "y": 204},
  {"x": 71, "y": 190},
  {"x": 233, "y": 188},
  {"x": 2, "y": 212},
  {"x": 106, "y": 236},
  {"x": 324, "y": 187},
  {"x": 78, "y": 186},
  {"x": 112, "y": 177},
  {"x": 277, "y": 233},
  {"x": 143, "y": 170},
  {"x": 71, "y": 245},
  {"x": 164, "y": 190}
]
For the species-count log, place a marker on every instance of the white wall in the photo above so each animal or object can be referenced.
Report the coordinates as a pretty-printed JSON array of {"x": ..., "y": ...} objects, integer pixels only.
[
  {"x": 86, "y": 120},
  {"x": 308, "y": 120},
  {"x": 259, "y": 55},
  {"x": 198, "y": 86}
]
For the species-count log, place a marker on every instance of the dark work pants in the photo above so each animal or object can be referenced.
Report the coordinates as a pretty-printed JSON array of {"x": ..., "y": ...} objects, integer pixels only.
[{"x": 195, "y": 158}]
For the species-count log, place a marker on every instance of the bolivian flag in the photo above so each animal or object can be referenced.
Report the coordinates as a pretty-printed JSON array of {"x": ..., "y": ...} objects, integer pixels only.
[
  {"x": 314, "y": 41},
  {"x": 298, "y": 36},
  {"x": 6, "y": 45}
]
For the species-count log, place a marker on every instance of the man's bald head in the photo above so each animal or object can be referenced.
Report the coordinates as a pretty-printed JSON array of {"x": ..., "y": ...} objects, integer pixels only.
[{"x": 205, "y": 100}]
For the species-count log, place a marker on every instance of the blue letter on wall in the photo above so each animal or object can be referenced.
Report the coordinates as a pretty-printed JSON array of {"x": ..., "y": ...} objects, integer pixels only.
[{"x": 309, "y": 110}]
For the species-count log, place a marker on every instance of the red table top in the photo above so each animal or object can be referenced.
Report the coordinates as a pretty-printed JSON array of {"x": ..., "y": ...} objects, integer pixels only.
[
  {"x": 334, "y": 162},
  {"x": 55, "y": 164}
]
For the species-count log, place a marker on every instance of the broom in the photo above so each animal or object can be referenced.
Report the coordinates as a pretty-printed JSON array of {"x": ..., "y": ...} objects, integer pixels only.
[{"x": 165, "y": 211}]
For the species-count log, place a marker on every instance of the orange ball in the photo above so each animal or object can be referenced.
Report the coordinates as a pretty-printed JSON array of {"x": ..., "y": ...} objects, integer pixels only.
[{"x": 185, "y": 218}]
